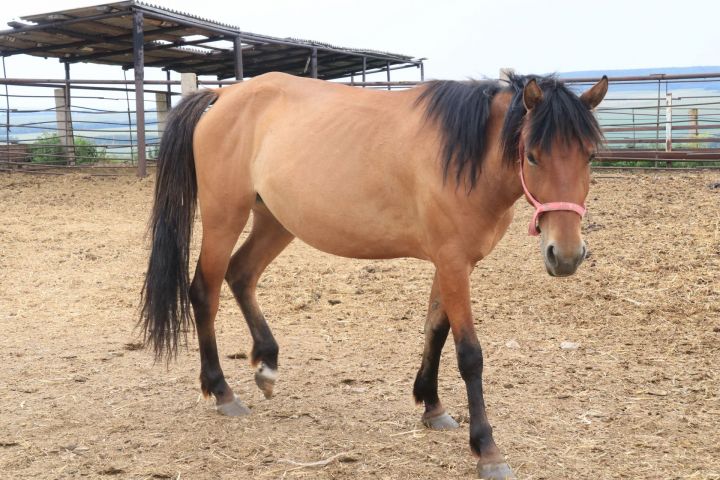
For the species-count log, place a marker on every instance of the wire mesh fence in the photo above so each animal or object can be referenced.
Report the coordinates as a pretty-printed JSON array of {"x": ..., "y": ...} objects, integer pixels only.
[
  {"x": 65, "y": 125},
  {"x": 660, "y": 121},
  {"x": 649, "y": 122}
]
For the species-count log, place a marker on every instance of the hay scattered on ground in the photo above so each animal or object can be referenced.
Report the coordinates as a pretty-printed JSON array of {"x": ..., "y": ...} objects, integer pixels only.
[{"x": 635, "y": 397}]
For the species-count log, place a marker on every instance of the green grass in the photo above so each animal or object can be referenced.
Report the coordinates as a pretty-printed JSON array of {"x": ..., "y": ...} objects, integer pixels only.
[{"x": 47, "y": 149}]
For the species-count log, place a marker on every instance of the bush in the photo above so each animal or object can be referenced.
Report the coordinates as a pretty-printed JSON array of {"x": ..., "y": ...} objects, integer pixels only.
[{"x": 47, "y": 149}]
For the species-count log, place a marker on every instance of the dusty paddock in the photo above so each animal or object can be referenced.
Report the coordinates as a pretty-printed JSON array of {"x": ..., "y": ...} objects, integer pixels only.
[{"x": 639, "y": 398}]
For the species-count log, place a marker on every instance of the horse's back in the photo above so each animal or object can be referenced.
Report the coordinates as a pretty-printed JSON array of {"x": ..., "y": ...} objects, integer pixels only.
[{"x": 338, "y": 166}]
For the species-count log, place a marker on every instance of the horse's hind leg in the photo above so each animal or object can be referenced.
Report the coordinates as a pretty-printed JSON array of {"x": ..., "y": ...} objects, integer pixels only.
[
  {"x": 437, "y": 327},
  {"x": 266, "y": 240},
  {"x": 219, "y": 237}
]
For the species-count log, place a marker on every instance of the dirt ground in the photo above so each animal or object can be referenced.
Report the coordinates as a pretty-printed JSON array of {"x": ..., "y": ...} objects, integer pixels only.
[{"x": 639, "y": 398}]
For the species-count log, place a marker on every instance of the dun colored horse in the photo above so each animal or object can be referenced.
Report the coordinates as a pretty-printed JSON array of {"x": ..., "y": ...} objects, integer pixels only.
[{"x": 430, "y": 173}]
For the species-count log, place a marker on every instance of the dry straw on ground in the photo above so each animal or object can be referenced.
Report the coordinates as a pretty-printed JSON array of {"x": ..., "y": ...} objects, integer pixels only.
[{"x": 637, "y": 395}]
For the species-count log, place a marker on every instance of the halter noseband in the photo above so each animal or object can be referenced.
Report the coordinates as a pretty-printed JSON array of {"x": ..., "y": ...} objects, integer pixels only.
[{"x": 541, "y": 208}]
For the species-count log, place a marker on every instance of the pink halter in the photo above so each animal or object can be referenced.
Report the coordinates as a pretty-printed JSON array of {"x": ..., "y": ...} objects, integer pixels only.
[{"x": 541, "y": 208}]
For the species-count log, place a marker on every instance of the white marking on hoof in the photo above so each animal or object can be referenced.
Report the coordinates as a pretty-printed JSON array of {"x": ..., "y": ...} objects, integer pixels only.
[
  {"x": 495, "y": 471},
  {"x": 442, "y": 421},
  {"x": 267, "y": 372},
  {"x": 265, "y": 378},
  {"x": 236, "y": 408}
]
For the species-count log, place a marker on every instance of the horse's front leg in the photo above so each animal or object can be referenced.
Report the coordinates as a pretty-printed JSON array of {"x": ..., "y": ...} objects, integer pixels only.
[
  {"x": 425, "y": 389},
  {"x": 454, "y": 282}
]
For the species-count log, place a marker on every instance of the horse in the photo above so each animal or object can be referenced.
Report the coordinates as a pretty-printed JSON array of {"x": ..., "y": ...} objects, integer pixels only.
[{"x": 432, "y": 172}]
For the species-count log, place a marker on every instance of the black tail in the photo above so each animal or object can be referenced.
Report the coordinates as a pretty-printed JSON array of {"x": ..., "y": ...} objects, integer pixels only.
[{"x": 165, "y": 296}]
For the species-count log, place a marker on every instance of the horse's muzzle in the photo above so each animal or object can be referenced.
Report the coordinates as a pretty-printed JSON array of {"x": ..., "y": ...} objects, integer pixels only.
[{"x": 561, "y": 262}]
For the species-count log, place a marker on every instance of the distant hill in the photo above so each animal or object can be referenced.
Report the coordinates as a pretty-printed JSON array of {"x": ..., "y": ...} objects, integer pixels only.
[
  {"x": 672, "y": 85},
  {"x": 640, "y": 71}
]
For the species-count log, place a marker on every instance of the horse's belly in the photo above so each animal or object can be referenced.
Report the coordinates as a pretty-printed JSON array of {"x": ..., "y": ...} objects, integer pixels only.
[
  {"x": 341, "y": 233},
  {"x": 345, "y": 225}
]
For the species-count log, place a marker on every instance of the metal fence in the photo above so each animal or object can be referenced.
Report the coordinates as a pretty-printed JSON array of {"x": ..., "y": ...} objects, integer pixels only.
[
  {"x": 660, "y": 121},
  {"x": 58, "y": 124},
  {"x": 663, "y": 121}
]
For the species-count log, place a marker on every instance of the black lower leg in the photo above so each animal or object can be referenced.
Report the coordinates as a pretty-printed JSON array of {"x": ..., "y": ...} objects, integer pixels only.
[
  {"x": 212, "y": 379},
  {"x": 426, "y": 382},
  {"x": 265, "y": 348},
  {"x": 470, "y": 362}
]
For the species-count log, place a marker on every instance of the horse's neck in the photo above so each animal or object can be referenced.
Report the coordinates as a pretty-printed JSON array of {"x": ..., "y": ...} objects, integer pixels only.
[{"x": 498, "y": 185}]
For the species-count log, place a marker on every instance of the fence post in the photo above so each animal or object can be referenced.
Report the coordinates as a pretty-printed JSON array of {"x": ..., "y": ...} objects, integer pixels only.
[
  {"x": 505, "y": 73},
  {"x": 364, "y": 71},
  {"x": 188, "y": 83},
  {"x": 64, "y": 125},
  {"x": 139, "y": 70},
  {"x": 694, "y": 122},
  {"x": 668, "y": 125},
  {"x": 239, "y": 68},
  {"x": 162, "y": 107}
]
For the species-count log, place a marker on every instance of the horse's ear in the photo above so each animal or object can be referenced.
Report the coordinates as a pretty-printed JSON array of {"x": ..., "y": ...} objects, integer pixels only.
[
  {"x": 532, "y": 95},
  {"x": 596, "y": 93}
]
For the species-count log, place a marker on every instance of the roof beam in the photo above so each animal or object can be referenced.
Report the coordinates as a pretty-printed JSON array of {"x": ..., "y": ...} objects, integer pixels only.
[
  {"x": 148, "y": 47},
  {"x": 255, "y": 38},
  {"x": 279, "y": 62},
  {"x": 84, "y": 43},
  {"x": 62, "y": 23},
  {"x": 297, "y": 63},
  {"x": 90, "y": 37}
]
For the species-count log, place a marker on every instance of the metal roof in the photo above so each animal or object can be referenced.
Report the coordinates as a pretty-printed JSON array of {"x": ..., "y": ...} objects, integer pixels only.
[{"x": 180, "y": 42}]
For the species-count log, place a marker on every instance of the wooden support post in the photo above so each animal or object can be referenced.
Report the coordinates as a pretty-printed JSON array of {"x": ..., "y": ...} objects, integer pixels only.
[
  {"x": 64, "y": 125},
  {"x": 657, "y": 123},
  {"x": 422, "y": 72},
  {"x": 668, "y": 122},
  {"x": 70, "y": 140},
  {"x": 162, "y": 107},
  {"x": 139, "y": 68},
  {"x": 313, "y": 63},
  {"x": 694, "y": 115},
  {"x": 364, "y": 71},
  {"x": 188, "y": 83},
  {"x": 668, "y": 125},
  {"x": 239, "y": 71},
  {"x": 168, "y": 97},
  {"x": 387, "y": 69}
]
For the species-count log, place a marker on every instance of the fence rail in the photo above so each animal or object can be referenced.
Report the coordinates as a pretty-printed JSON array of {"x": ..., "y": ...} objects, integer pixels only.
[{"x": 658, "y": 121}]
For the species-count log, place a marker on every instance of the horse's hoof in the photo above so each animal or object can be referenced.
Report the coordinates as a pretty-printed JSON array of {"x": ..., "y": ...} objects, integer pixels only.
[
  {"x": 495, "y": 471},
  {"x": 236, "y": 408},
  {"x": 440, "y": 422},
  {"x": 265, "y": 379}
]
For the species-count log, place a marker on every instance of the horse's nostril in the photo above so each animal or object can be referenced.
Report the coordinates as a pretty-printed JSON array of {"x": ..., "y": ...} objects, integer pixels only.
[{"x": 550, "y": 255}]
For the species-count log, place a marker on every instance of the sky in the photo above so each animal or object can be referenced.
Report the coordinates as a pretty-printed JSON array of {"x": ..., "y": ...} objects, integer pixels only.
[{"x": 460, "y": 38}]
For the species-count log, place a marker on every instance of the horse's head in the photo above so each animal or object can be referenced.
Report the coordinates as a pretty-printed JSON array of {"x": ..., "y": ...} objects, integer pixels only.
[{"x": 557, "y": 142}]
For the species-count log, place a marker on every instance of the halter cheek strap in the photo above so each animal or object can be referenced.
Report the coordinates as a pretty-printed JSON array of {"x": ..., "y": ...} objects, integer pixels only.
[{"x": 541, "y": 208}]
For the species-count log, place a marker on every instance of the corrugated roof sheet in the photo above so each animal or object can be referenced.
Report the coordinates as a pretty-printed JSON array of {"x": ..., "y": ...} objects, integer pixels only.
[{"x": 178, "y": 41}]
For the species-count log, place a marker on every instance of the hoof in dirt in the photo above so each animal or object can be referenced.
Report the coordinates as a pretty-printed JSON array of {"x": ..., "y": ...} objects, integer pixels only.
[
  {"x": 440, "y": 422},
  {"x": 265, "y": 379},
  {"x": 233, "y": 409},
  {"x": 495, "y": 471}
]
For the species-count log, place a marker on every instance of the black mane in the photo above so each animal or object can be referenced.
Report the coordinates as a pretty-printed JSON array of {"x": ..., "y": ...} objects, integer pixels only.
[{"x": 462, "y": 110}]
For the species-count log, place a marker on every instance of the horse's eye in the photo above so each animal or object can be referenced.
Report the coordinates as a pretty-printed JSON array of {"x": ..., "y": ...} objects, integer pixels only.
[
  {"x": 592, "y": 157},
  {"x": 531, "y": 159}
]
